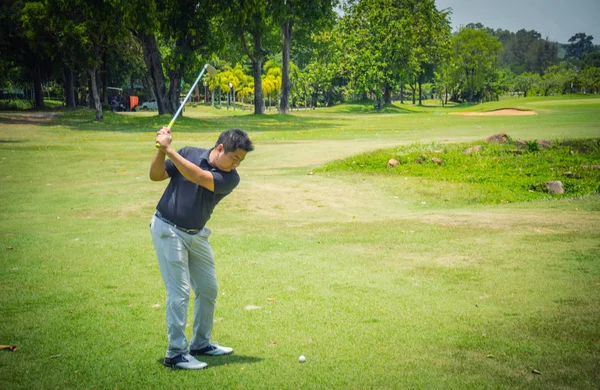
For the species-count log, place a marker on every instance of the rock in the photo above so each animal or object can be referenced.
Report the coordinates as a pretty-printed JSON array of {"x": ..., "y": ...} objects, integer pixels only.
[
  {"x": 596, "y": 167},
  {"x": 569, "y": 174},
  {"x": 555, "y": 187},
  {"x": 543, "y": 144},
  {"x": 497, "y": 138},
  {"x": 473, "y": 149},
  {"x": 437, "y": 160},
  {"x": 392, "y": 162},
  {"x": 521, "y": 144}
]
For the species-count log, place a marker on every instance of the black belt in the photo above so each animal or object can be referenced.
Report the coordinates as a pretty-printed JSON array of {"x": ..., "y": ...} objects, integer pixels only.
[{"x": 188, "y": 231}]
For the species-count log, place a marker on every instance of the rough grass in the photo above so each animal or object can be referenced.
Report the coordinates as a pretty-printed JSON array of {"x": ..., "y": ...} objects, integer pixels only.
[{"x": 497, "y": 173}]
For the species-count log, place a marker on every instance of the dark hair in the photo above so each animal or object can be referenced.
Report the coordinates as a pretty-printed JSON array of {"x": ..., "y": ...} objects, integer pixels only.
[{"x": 234, "y": 139}]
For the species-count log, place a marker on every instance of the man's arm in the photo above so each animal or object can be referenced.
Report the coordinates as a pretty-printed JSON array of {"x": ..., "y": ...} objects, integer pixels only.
[
  {"x": 188, "y": 169},
  {"x": 157, "y": 168}
]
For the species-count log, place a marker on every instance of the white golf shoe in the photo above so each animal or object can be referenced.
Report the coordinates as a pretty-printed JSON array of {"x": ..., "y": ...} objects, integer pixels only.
[
  {"x": 212, "y": 349},
  {"x": 185, "y": 362}
]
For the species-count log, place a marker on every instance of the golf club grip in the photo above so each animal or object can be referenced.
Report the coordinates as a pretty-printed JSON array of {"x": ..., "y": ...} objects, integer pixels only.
[{"x": 168, "y": 127}]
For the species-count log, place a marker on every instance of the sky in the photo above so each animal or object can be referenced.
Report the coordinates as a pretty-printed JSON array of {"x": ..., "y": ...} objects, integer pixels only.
[{"x": 557, "y": 20}]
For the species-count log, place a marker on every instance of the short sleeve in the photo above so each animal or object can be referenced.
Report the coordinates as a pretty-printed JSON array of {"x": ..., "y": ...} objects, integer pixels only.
[
  {"x": 225, "y": 182},
  {"x": 170, "y": 166}
]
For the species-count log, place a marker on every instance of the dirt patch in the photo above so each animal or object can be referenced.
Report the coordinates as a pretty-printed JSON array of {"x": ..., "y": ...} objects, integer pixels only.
[
  {"x": 503, "y": 112},
  {"x": 542, "y": 222},
  {"x": 37, "y": 117}
]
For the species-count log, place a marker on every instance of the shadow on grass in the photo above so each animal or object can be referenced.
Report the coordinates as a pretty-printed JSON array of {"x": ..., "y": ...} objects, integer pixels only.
[
  {"x": 27, "y": 117},
  {"x": 366, "y": 107},
  {"x": 83, "y": 119},
  {"x": 216, "y": 361}
]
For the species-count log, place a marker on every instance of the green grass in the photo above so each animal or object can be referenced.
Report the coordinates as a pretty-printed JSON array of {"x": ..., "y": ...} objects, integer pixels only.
[
  {"x": 375, "y": 281},
  {"x": 497, "y": 173}
]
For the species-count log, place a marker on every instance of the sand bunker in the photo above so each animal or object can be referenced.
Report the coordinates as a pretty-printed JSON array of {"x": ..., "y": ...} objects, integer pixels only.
[{"x": 506, "y": 112}]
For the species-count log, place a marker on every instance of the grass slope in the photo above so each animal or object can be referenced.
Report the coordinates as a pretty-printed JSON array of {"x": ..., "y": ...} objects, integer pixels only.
[{"x": 493, "y": 173}]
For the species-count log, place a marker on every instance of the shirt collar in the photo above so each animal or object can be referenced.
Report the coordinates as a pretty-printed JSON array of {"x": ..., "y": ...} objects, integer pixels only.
[{"x": 205, "y": 155}]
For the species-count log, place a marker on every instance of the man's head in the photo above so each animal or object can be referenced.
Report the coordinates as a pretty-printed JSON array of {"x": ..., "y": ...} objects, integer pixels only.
[{"x": 231, "y": 149}]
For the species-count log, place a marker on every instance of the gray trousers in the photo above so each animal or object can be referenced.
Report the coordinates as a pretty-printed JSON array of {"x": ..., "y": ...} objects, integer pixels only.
[{"x": 186, "y": 260}]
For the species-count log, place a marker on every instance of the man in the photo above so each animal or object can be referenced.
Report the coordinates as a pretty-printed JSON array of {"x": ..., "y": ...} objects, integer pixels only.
[{"x": 199, "y": 179}]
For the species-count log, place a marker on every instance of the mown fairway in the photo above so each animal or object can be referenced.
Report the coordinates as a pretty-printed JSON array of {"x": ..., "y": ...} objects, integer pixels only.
[{"x": 375, "y": 283}]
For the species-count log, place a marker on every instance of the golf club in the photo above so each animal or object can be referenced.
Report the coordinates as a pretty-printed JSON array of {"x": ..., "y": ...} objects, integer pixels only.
[{"x": 212, "y": 71}]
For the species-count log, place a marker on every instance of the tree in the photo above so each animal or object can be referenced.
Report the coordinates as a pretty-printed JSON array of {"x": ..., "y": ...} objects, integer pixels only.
[
  {"x": 540, "y": 55},
  {"x": 75, "y": 32},
  {"x": 311, "y": 13},
  {"x": 591, "y": 60},
  {"x": 257, "y": 31},
  {"x": 446, "y": 80},
  {"x": 174, "y": 36},
  {"x": 558, "y": 78},
  {"x": 20, "y": 61},
  {"x": 516, "y": 49},
  {"x": 272, "y": 81},
  {"x": 99, "y": 32},
  {"x": 188, "y": 30},
  {"x": 579, "y": 45},
  {"x": 589, "y": 79},
  {"x": 476, "y": 55},
  {"x": 375, "y": 44},
  {"x": 432, "y": 46},
  {"x": 525, "y": 82},
  {"x": 142, "y": 19},
  {"x": 327, "y": 64}
]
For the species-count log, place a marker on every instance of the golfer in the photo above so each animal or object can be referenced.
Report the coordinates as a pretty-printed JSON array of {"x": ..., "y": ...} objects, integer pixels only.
[{"x": 199, "y": 179}]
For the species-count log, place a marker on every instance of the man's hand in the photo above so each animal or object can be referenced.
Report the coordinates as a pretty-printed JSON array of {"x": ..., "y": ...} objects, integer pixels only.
[{"x": 164, "y": 138}]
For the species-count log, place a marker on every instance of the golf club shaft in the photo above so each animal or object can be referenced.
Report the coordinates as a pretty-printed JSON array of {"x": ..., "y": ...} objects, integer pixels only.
[{"x": 185, "y": 100}]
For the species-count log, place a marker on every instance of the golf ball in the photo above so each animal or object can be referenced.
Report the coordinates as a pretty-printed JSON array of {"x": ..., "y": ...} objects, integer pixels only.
[{"x": 301, "y": 359}]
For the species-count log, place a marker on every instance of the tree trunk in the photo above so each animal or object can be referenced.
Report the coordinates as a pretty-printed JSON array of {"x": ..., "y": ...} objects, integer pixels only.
[
  {"x": 256, "y": 55},
  {"x": 82, "y": 92},
  {"x": 153, "y": 61},
  {"x": 259, "y": 99},
  {"x": 471, "y": 84},
  {"x": 401, "y": 92},
  {"x": 175, "y": 87},
  {"x": 104, "y": 78},
  {"x": 413, "y": 87},
  {"x": 420, "y": 81},
  {"x": 286, "y": 85},
  {"x": 37, "y": 87},
  {"x": 90, "y": 96},
  {"x": 387, "y": 93},
  {"x": 69, "y": 88},
  {"x": 96, "y": 95}
]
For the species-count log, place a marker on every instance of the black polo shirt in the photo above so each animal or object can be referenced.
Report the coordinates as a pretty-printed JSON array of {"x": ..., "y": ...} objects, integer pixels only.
[{"x": 187, "y": 204}]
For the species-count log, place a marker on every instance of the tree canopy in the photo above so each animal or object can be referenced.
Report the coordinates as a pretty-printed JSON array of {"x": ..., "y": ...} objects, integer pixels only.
[{"x": 290, "y": 53}]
